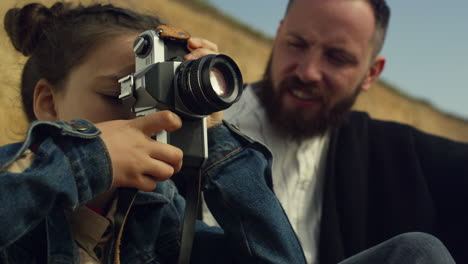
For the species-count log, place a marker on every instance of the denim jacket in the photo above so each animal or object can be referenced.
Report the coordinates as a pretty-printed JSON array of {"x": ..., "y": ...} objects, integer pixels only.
[{"x": 67, "y": 165}]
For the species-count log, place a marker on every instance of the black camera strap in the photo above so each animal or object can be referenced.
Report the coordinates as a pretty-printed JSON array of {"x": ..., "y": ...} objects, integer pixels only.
[{"x": 192, "y": 179}]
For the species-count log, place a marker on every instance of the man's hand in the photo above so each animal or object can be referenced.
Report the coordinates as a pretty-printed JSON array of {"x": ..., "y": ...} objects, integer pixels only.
[{"x": 137, "y": 160}]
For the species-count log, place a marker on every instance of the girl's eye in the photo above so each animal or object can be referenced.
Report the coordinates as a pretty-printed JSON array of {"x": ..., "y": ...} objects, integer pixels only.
[{"x": 111, "y": 97}]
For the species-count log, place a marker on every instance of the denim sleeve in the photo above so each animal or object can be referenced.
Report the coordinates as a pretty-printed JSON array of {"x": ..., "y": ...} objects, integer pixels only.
[
  {"x": 238, "y": 192},
  {"x": 68, "y": 165}
]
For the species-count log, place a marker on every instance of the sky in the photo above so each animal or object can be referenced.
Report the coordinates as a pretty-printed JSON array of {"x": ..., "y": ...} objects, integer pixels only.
[{"x": 426, "y": 46}]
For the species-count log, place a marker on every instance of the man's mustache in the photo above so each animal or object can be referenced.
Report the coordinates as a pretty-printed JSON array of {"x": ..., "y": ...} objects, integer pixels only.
[{"x": 313, "y": 90}]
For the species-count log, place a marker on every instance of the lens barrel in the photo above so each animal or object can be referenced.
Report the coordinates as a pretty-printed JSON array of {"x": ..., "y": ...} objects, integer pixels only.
[{"x": 209, "y": 84}]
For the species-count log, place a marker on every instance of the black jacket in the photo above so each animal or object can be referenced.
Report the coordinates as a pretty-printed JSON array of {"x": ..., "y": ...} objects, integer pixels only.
[{"x": 383, "y": 179}]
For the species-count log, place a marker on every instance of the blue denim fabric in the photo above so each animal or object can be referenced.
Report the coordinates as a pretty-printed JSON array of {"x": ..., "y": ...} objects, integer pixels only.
[
  {"x": 238, "y": 192},
  {"x": 72, "y": 166},
  {"x": 407, "y": 248}
]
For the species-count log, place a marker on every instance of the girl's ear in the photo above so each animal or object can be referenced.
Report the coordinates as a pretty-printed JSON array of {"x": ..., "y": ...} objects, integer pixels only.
[{"x": 44, "y": 101}]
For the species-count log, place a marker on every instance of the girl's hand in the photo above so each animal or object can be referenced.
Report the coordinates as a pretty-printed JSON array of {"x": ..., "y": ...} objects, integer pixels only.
[
  {"x": 137, "y": 160},
  {"x": 200, "y": 47}
]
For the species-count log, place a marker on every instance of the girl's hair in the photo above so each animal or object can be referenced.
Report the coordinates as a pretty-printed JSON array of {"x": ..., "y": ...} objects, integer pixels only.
[{"x": 58, "y": 38}]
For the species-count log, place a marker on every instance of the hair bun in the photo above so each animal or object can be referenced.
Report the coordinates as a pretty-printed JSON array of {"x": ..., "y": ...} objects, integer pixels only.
[{"x": 27, "y": 26}]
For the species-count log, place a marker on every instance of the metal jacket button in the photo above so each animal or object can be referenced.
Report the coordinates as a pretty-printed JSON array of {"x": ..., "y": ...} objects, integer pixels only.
[{"x": 79, "y": 127}]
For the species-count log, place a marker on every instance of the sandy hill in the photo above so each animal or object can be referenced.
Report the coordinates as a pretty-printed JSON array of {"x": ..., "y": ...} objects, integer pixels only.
[{"x": 249, "y": 49}]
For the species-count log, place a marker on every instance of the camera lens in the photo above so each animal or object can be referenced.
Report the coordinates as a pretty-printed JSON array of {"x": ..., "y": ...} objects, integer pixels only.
[
  {"x": 209, "y": 84},
  {"x": 218, "y": 82}
]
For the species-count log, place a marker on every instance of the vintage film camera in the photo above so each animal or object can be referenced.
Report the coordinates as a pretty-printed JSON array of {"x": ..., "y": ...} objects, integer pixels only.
[{"x": 192, "y": 89}]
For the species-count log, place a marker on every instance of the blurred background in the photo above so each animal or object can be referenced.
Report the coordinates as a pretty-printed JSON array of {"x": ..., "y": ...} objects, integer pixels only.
[{"x": 423, "y": 83}]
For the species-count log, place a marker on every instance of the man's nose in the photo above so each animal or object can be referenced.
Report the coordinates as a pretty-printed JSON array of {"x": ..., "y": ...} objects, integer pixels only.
[{"x": 309, "y": 69}]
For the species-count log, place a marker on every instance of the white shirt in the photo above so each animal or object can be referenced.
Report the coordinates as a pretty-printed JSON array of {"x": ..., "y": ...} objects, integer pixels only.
[{"x": 298, "y": 169}]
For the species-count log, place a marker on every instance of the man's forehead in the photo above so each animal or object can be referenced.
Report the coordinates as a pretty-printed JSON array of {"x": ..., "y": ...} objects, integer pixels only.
[
  {"x": 293, "y": 2},
  {"x": 331, "y": 17},
  {"x": 361, "y": 7}
]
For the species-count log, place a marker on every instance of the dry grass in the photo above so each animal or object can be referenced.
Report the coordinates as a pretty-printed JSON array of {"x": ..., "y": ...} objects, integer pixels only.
[{"x": 250, "y": 51}]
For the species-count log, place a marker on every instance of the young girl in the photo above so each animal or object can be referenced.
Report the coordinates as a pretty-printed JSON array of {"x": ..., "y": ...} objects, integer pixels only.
[{"x": 59, "y": 186}]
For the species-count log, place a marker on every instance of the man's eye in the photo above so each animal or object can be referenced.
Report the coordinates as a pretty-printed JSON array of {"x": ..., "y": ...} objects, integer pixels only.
[
  {"x": 340, "y": 59},
  {"x": 295, "y": 44},
  {"x": 336, "y": 59}
]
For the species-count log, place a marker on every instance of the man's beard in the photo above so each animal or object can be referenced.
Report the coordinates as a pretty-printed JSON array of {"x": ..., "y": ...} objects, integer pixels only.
[{"x": 295, "y": 124}]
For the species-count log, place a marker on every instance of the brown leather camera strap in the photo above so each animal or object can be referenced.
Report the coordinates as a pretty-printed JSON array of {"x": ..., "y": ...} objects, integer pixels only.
[
  {"x": 126, "y": 199},
  {"x": 166, "y": 31}
]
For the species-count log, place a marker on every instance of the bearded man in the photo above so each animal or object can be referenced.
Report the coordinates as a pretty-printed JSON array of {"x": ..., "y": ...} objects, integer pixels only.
[{"x": 346, "y": 181}]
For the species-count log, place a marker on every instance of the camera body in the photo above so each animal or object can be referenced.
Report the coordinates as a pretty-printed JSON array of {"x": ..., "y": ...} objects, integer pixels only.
[{"x": 192, "y": 89}]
